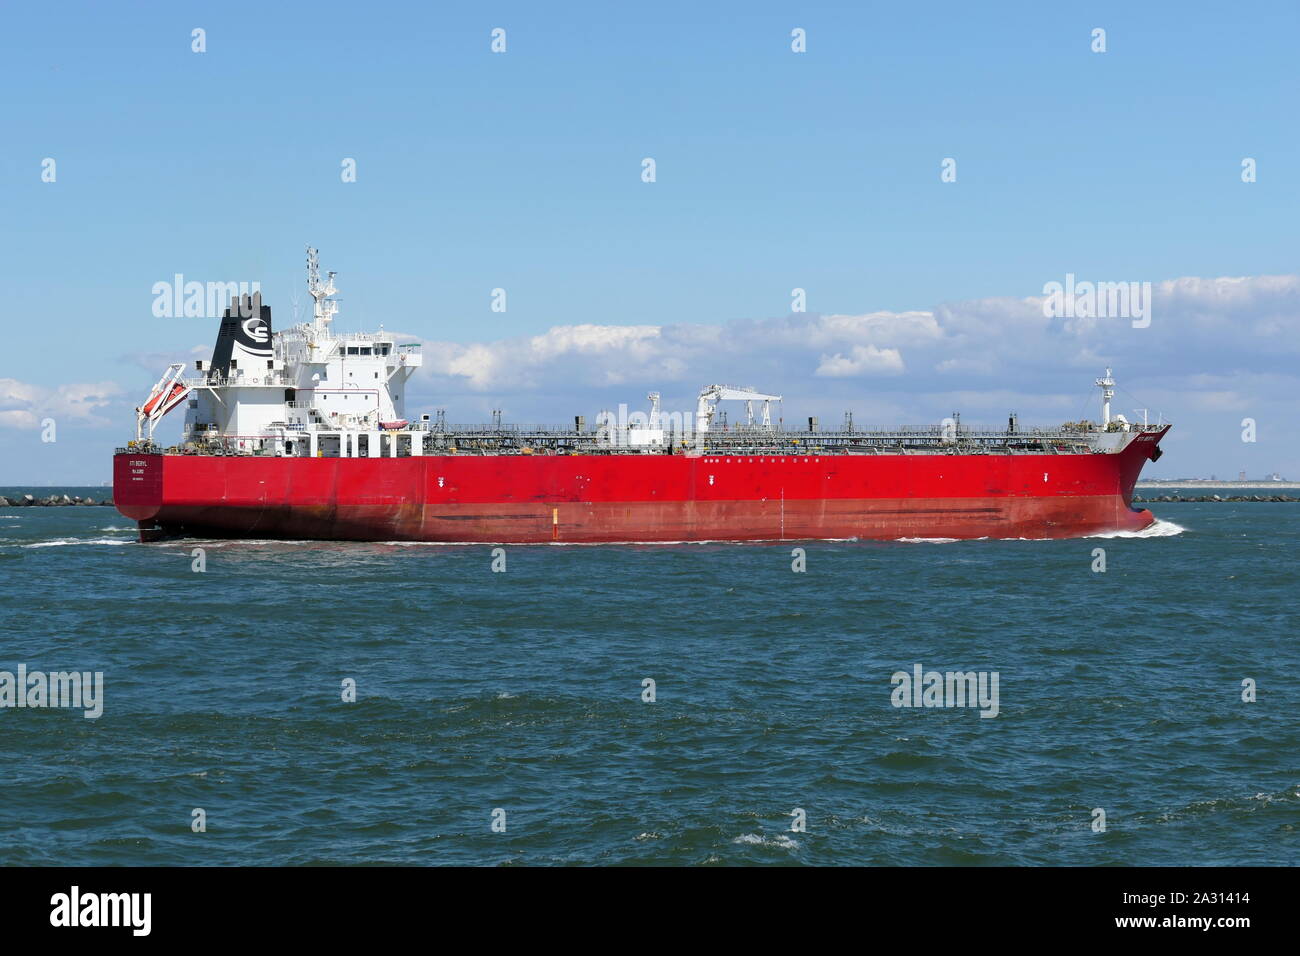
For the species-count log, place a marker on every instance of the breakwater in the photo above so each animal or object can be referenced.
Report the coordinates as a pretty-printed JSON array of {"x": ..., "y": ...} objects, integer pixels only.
[
  {"x": 1224, "y": 498},
  {"x": 50, "y": 501}
]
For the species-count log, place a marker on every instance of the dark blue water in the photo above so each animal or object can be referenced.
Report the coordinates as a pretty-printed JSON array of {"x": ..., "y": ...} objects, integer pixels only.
[{"x": 522, "y": 691}]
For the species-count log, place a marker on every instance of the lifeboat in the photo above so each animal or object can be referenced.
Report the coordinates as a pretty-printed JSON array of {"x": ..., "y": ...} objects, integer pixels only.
[{"x": 164, "y": 398}]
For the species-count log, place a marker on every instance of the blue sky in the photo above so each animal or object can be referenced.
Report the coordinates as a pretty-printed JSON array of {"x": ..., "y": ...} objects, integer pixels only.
[{"x": 775, "y": 170}]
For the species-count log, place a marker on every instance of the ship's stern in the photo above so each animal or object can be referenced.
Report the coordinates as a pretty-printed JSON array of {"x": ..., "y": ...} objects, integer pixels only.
[{"x": 138, "y": 489}]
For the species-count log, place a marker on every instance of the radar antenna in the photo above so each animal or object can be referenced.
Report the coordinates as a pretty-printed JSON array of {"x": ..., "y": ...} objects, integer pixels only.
[
  {"x": 1107, "y": 386},
  {"x": 323, "y": 314}
]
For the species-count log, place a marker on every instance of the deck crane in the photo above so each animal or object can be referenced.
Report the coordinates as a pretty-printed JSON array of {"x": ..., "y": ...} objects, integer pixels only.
[{"x": 712, "y": 394}]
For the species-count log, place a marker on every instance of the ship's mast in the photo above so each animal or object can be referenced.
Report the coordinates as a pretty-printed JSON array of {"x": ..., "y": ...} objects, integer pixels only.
[
  {"x": 1107, "y": 386},
  {"x": 323, "y": 314}
]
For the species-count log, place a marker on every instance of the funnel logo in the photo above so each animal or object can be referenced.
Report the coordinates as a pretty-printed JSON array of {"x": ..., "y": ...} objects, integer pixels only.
[
  {"x": 255, "y": 330},
  {"x": 250, "y": 338},
  {"x": 244, "y": 339}
]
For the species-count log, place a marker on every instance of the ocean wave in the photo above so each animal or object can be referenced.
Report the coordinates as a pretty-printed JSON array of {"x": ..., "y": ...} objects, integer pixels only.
[
  {"x": 241, "y": 542},
  {"x": 60, "y": 542},
  {"x": 1160, "y": 528},
  {"x": 1237, "y": 803},
  {"x": 758, "y": 839},
  {"x": 927, "y": 540}
]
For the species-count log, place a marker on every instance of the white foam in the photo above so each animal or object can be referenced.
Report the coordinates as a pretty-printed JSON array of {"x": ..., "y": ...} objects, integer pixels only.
[
  {"x": 239, "y": 542},
  {"x": 59, "y": 542},
  {"x": 780, "y": 840},
  {"x": 1160, "y": 528}
]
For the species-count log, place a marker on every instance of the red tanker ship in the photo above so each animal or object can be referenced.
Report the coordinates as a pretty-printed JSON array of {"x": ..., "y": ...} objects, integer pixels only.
[{"x": 301, "y": 434}]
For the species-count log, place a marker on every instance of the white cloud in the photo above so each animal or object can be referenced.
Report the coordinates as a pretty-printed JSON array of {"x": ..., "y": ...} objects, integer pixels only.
[
  {"x": 583, "y": 354},
  {"x": 1248, "y": 324},
  {"x": 863, "y": 360},
  {"x": 26, "y": 406}
]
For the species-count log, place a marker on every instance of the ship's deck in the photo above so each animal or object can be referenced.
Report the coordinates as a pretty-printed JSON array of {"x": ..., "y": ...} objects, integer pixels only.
[{"x": 438, "y": 439}]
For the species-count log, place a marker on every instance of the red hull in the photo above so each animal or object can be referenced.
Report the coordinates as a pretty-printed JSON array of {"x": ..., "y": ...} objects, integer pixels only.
[{"x": 610, "y": 498}]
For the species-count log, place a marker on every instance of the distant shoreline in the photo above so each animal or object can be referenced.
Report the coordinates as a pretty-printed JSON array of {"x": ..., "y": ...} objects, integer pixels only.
[{"x": 1213, "y": 483}]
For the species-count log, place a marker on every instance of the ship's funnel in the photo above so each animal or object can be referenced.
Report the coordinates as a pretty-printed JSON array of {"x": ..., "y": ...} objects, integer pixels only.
[{"x": 244, "y": 336}]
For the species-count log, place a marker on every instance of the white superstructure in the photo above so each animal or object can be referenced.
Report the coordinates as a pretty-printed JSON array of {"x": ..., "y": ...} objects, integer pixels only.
[{"x": 313, "y": 391}]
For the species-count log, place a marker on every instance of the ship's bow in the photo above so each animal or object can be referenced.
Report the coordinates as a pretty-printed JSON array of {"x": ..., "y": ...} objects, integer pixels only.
[{"x": 1143, "y": 448}]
